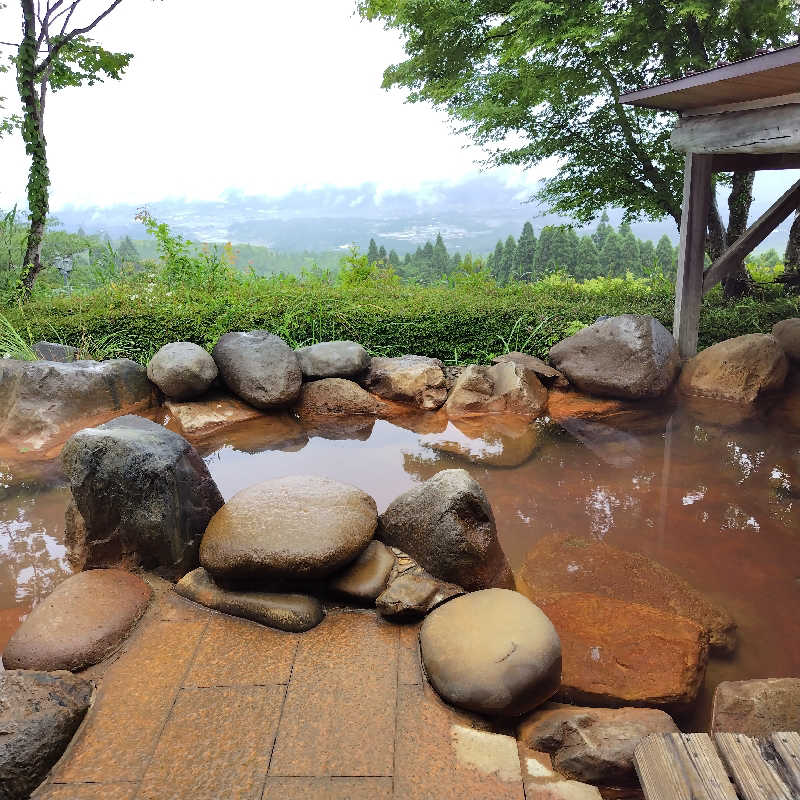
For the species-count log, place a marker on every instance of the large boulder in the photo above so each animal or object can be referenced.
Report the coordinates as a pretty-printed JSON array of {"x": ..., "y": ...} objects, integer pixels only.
[
  {"x": 593, "y": 744},
  {"x": 447, "y": 525},
  {"x": 631, "y": 356},
  {"x": 42, "y": 403},
  {"x": 417, "y": 380},
  {"x": 491, "y": 651},
  {"x": 504, "y": 387},
  {"x": 757, "y": 707},
  {"x": 336, "y": 397},
  {"x": 39, "y": 713},
  {"x": 625, "y": 654},
  {"x": 332, "y": 360},
  {"x": 787, "y": 332},
  {"x": 738, "y": 370},
  {"x": 182, "y": 370},
  {"x": 297, "y": 527},
  {"x": 142, "y": 497},
  {"x": 259, "y": 367},
  {"x": 287, "y": 612},
  {"x": 216, "y": 410},
  {"x": 560, "y": 563},
  {"x": 83, "y": 621}
]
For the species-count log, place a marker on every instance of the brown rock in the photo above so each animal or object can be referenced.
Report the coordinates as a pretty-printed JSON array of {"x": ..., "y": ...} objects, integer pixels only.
[
  {"x": 757, "y": 707},
  {"x": 83, "y": 621},
  {"x": 618, "y": 653},
  {"x": 447, "y": 525},
  {"x": 738, "y": 370},
  {"x": 407, "y": 597},
  {"x": 294, "y": 527},
  {"x": 491, "y": 651},
  {"x": 544, "y": 372},
  {"x": 335, "y": 396},
  {"x": 563, "y": 563},
  {"x": 215, "y": 411},
  {"x": 543, "y": 783},
  {"x": 288, "y": 612},
  {"x": 787, "y": 332},
  {"x": 505, "y": 387},
  {"x": 565, "y": 405},
  {"x": 592, "y": 744},
  {"x": 364, "y": 579},
  {"x": 417, "y": 380}
]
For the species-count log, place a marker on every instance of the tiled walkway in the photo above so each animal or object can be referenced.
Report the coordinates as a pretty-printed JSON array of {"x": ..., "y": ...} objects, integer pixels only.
[{"x": 209, "y": 707}]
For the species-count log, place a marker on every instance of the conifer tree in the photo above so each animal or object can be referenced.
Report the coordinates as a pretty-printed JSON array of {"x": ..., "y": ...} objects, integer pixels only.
[
  {"x": 588, "y": 261},
  {"x": 611, "y": 255},
  {"x": 497, "y": 269},
  {"x": 647, "y": 254},
  {"x": 382, "y": 254},
  {"x": 665, "y": 255},
  {"x": 372, "y": 252},
  {"x": 394, "y": 259},
  {"x": 440, "y": 260},
  {"x": 526, "y": 253},
  {"x": 602, "y": 230},
  {"x": 506, "y": 273},
  {"x": 629, "y": 250},
  {"x": 127, "y": 251}
]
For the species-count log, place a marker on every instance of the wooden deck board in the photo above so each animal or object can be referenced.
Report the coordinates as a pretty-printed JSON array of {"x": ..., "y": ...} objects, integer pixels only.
[{"x": 760, "y": 769}]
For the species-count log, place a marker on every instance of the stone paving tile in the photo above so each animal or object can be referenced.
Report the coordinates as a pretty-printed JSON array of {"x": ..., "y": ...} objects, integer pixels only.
[
  {"x": 340, "y": 708},
  {"x": 409, "y": 666},
  {"x": 328, "y": 789},
  {"x": 441, "y": 756},
  {"x": 87, "y": 791},
  {"x": 216, "y": 744},
  {"x": 236, "y": 652},
  {"x": 119, "y": 733}
]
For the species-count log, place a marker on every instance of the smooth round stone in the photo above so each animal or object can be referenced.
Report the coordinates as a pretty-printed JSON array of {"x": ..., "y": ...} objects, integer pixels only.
[
  {"x": 299, "y": 526},
  {"x": 491, "y": 651},
  {"x": 341, "y": 359},
  {"x": 364, "y": 579},
  {"x": 82, "y": 622},
  {"x": 182, "y": 370}
]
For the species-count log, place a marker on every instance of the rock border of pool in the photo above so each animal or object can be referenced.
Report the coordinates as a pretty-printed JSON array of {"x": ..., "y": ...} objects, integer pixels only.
[{"x": 288, "y": 552}]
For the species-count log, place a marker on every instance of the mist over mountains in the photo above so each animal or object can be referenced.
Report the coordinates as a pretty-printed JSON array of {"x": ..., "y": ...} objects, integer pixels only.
[{"x": 471, "y": 216}]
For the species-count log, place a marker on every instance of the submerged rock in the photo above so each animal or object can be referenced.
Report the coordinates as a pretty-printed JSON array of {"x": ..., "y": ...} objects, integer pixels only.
[
  {"x": 787, "y": 332},
  {"x": 593, "y": 744},
  {"x": 630, "y": 356},
  {"x": 491, "y": 651},
  {"x": 618, "y": 653},
  {"x": 300, "y": 526},
  {"x": 562, "y": 563},
  {"x": 447, "y": 525},
  {"x": 757, "y": 707},
  {"x": 342, "y": 359},
  {"x": 214, "y": 411},
  {"x": 544, "y": 372},
  {"x": 259, "y": 367},
  {"x": 364, "y": 579},
  {"x": 52, "y": 351},
  {"x": 288, "y": 612},
  {"x": 738, "y": 370},
  {"x": 142, "y": 497},
  {"x": 39, "y": 713},
  {"x": 182, "y": 370},
  {"x": 505, "y": 388},
  {"x": 417, "y": 380},
  {"x": 83, "y": 621},
  {"x": 42, "y": 403},
  {"x": 336, "y": 397}
]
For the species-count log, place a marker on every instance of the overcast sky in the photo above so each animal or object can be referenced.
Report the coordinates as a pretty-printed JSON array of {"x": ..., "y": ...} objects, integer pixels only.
[{"x": 257, "y": 96}]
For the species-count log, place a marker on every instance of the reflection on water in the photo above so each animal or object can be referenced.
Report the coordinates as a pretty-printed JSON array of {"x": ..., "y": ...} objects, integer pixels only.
[{"x": 712, "y": 495}]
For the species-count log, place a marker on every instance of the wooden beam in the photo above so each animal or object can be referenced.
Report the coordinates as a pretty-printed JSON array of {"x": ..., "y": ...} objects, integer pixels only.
[
  {"x": 752, "y": 163},
  {"x": 752, "y": 237},
  {"x": 764, "y": 102},
  {"x": 691, "y": 252},
  {"x": 769, "y": 130}
]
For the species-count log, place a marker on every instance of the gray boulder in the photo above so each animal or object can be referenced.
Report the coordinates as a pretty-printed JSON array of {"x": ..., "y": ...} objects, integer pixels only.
[
  {"x": 142, "y": 494},
  {"x": 182, "y": 370},
  {"x": 631, "y": 356},
  {"x": 259, "y": 367},
  {"x": 332, "y": 360},
  {"x": 42, "y": 403},
  {"x": 417, "y": 380},
  {"x": 447, "y": 525},
  {"x": 39, "y": 713},
  {"x": 491, "y": 651},
  {"x": 53, "y": 351},
  {"x": 287, "y": 612},
  {"x": 787, "y": 332}
]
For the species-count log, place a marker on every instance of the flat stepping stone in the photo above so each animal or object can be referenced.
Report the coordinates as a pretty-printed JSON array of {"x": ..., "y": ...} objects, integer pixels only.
[
  {"x": 287, "y": 612},
  {"x": 84, "y": 620}
]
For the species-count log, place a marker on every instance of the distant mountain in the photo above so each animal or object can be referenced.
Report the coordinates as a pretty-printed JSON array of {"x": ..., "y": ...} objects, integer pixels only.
[{"x": 471, "y": 215}]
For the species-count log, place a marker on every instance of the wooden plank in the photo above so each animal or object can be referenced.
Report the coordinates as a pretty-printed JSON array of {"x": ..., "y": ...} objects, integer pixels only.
[
  {"x": 769, "y": 130},
  {"x": 752, "y": 237},
  {"x": 764, "y": 102},
  {"x": 691, "y": 252},
  {"x": 747, "y": 162},
  {"x": 681, "y": 766},
  {"x": 787, "y": 746},
  {"x": 758, "y": 769}
]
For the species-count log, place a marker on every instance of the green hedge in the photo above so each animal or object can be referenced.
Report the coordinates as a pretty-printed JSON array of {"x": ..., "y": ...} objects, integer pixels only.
[{"x": 457, "y": 324}]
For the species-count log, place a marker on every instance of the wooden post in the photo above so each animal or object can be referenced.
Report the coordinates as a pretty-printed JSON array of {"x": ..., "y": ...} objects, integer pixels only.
[{"x": 691, "y": 253}]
